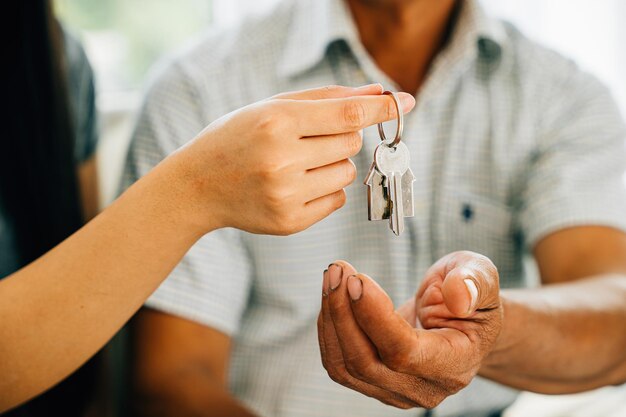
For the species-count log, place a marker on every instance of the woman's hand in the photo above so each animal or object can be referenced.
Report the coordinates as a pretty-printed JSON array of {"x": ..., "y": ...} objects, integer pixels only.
[
  {"x": 421, "y": 353},
  {"x": 280, "y": 165}
]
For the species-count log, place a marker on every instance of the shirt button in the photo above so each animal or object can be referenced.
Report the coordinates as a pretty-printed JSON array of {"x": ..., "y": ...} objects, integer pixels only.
[{"x": 467, "y": 212}]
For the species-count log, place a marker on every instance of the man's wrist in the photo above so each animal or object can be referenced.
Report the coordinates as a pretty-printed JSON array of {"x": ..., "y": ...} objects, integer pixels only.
[{"x": 509, "y": 336}]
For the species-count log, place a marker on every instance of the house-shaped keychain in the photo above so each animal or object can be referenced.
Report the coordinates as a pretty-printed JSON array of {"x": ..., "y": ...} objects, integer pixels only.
[{"x": 378, "y": 202}]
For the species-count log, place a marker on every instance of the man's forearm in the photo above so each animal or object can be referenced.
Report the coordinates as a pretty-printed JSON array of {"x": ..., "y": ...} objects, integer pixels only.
[
  {"x": 189, "y": 397},
  {"x": 562, "y": 338}
]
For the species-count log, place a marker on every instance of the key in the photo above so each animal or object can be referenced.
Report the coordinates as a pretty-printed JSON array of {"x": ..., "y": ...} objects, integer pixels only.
[
  {"x": 377, "y": 195},
  {"x": 390, "y": 179},
  {"x": 407, "y": 193},
  {"x": 393, "y": 163}
]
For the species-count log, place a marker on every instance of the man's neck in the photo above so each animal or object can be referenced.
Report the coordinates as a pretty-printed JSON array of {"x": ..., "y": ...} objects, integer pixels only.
[{"x": 403, "y": 36}]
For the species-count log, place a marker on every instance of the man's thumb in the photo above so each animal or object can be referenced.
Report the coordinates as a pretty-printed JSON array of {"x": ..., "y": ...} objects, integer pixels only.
[{"x": 471, "y": 285}]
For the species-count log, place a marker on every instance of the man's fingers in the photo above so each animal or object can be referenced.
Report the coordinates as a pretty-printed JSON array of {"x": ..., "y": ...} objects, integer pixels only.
[
  {"x": 331, "y": 91},
  {"x": 359, "y": 354},
  {"x": 320, "y": 321},
  {"x": 335, "y": 355},
  {"x": 409, "y": 313},
  {"x": 470, "y": 283},
  {"x": 357, "y": 349},
  {"x": 334, "y": 116},
  {"x": 394, "y": 338}
]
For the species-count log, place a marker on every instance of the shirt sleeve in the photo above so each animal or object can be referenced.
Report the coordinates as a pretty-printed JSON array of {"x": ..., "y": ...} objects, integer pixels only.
[
  {"x": 577, "y": 173},
  {"x": 210, "y": 285}
]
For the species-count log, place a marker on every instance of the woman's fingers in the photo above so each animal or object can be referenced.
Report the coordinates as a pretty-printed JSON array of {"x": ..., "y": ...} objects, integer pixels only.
[
  {"x": 331, "y": 91},
  {"x": 340, "y": 115},
  {"x": 319, "y": 151},
  {"x": 322, "y": 207},
  {"x": 328, "y": 179}
]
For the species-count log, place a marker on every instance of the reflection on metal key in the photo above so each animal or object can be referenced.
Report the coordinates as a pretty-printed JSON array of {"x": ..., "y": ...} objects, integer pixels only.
[
  {"x": 378, "y": 207},
  {"x": 393, "y": 164},
  {"x": 390, "y": 179}
]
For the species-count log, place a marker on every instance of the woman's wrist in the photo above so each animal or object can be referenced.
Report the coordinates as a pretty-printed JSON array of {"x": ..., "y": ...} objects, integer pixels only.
[{"x": 191, "y": 188}]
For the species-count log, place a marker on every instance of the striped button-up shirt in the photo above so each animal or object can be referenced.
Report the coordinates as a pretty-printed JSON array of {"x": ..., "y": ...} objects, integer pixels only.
[{"x": 509, "y": 143}]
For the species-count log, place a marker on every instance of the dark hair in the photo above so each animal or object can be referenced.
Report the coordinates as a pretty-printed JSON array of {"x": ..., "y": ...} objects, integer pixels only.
[
  {"x": 38, "y": 183},
  {"x": 38, "y": 180}
]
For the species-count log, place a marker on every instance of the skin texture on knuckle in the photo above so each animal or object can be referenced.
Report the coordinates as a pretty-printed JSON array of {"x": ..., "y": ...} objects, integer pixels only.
[
  {"x": 349, "y": 172},
  {"x": 433, "y": 401},
  {"x": 398, "y": 361},
  {"x": 455, "y": 378},
  {"x": 277, "y": 196},
  {"x": 398, "y": 401},
  {"x": 331, "y": 89},
  {"x": 360, "y": 369},
  {"x": 272, "y": 120},
  {"x": 354, "y": 142},
  {"x": 270, "y": 168},
  {"x": 390, "y": 109},
  {"x": 280, "y": 213},
  {"x": 340, "y": 199},
  {"x": 354, "y": 114},
  {"x": 427, "y": 394},
  {"x": 290, "y": 224},
  {"x": 339, "y": 376},
  {"x": 458, "y": 382},
  {"x": 402, "y": 405}
]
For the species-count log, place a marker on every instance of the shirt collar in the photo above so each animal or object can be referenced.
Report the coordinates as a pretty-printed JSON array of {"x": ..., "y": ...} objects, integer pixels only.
[
  {"x": 316, "y": 24},
  {"x": 476, "y": 35}
]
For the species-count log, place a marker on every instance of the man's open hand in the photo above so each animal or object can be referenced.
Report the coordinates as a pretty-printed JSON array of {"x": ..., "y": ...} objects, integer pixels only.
[{"x": 417, "y": 355}]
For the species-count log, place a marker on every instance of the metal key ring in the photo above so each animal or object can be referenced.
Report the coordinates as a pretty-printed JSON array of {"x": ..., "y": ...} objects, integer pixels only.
[{"x": 400, "y": 128}]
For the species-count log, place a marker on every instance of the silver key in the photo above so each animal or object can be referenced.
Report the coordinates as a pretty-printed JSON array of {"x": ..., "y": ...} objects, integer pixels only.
[
  {"x": 393, "y": 164},
  {"x": 390, "y": 179},
  {"x": 407, "y": 193},
  {"x": 378, "y": 206}
]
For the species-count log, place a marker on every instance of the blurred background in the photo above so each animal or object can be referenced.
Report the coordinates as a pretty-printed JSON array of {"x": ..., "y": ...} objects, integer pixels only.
[{"x": 125, "y": 38}]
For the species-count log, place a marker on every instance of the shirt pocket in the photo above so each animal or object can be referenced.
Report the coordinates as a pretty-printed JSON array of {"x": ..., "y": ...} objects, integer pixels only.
[{"x": 477, "y": 223}]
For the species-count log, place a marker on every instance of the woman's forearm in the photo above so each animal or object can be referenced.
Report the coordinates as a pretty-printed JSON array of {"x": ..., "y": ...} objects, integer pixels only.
[
  {"x": 59, "y": 310},
  {"x": 271, "y": 167},
  {"x": 562, "y": 338}
]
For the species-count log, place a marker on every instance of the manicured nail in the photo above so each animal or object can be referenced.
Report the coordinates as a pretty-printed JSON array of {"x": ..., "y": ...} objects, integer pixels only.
[
  {"x": 325, "y": 284},
  {"x": 355, "y": 287},
  {"x": 371, "y": 87},
  {"x": 334, "y": 276},
  {"x": 473, "y": 291},
  {"x": 407, "y": 101}
]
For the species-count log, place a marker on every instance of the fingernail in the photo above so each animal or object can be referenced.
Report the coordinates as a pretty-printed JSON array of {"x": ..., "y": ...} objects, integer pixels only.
[
  {"x": 407, "y": 101},
  {"x": 355, "y": 287},
  {"x": 473, "y": 291},
  {"x": 325, "y": 284},
  {"x": 334, "y": 276},
  {"x": 370, "y": 87}
]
